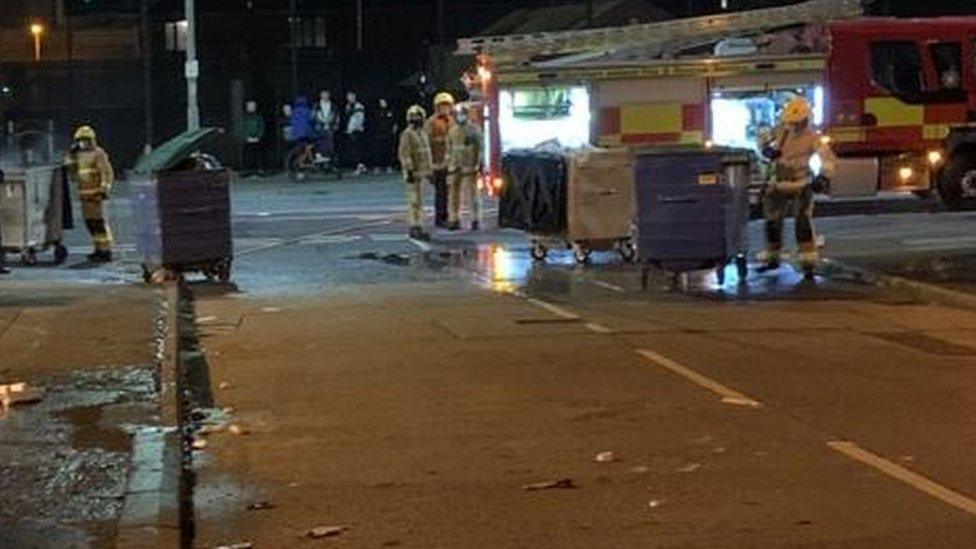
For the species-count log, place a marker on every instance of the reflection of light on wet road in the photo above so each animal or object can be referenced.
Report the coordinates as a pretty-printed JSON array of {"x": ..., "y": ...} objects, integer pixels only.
[{"x": 505, "y": 270}]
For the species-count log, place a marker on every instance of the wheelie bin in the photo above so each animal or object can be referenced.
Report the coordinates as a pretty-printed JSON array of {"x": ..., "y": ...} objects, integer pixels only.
[
  {"x": 35, "y": 209},
  {"x": 692, "y": 209},
  {"x": 183, "y": 209}
]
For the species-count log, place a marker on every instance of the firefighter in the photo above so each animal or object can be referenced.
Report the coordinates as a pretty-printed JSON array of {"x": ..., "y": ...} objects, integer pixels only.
[
  {"x": 415, "y": 162},
  {"x": 438, "y": 126},
  {"x": 92, "y": 169},
  {"x": 464, "y": 165},
  {"x": 791, "y": 147}
]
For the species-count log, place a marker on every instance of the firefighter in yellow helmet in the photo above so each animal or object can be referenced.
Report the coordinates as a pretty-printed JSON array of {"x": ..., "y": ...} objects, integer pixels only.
[
  {"x": 438, "y": 127},
  {"x": 415, "y": 162},
  {"x": 464, "y": 164},
  {"x": 790, "y": 147},
  {"x": 91, "y": 168}
]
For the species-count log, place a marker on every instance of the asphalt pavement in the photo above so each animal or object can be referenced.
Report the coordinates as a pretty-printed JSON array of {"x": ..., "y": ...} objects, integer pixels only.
[{"x": 457, "y": 393}]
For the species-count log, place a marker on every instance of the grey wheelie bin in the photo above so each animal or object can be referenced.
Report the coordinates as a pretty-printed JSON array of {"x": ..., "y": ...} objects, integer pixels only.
[
  {"x": 183, "y": 209},
  {"x": 692, "y": 209},
  {"x": 35, "y": 209}
]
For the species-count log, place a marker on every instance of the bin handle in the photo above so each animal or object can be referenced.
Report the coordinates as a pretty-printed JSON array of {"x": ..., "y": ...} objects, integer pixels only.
[
  {"x": 687, "y": 199},
  {"x": 200, "y": 210}
]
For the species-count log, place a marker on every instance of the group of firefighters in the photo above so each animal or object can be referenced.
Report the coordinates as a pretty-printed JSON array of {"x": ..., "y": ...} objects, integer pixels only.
[{"x": 446, "y": 151}]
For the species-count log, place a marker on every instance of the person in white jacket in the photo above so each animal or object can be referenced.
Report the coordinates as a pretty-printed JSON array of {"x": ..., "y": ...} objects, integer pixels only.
[
  {"x": 355, "y": 130},
  {"x": 326, "y": 123}
]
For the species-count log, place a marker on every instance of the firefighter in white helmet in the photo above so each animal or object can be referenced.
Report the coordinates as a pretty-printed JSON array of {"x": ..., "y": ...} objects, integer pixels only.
[
  {"x": 438, "y": 126},
  {"x": 791, "y": 146},
  {"x": 92, "y": 169},
  {"x": 464, "y": 165},
  {"x": 415, "y": 162}
]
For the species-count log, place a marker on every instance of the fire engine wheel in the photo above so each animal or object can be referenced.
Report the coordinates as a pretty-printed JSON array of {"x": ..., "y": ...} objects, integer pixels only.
[
  {"x": 29, "y": 257},
  {"x": 60, "y": 254},
  {"x": 539, "y": 251},
  {"x": 958, "y": 179}
]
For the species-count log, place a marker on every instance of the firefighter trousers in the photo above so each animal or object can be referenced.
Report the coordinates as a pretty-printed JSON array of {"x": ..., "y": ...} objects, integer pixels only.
[
  {"x": 776, "y": 206},
  {"x": 439, "y": 180},
  {"x": 415, "y": 201},
  {"x": 463, "y": 187},
  {"x": 94, "y": 212}
]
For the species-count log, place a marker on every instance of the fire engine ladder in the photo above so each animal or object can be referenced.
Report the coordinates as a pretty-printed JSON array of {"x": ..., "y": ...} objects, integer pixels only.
[{"x": 695, "y": 29}]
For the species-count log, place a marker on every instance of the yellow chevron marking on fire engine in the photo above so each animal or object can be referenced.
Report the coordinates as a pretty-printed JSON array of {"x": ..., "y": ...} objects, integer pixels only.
[
  {"x": 650, "y": 118},
  {"x": 891, "y": 112},
  {"x": 847, "y": 134},
  {"x": 692, "y": 137},
  {"x": 936, "y": 131}
]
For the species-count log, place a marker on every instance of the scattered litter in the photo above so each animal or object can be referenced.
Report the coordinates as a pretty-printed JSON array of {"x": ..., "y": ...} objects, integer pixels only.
[
  {"x": 224, "y": 385},
  {"x": 803, "y": 522},
  {"x": 199, "y": 444},
  {"x": 605, "y": 457},
  {"x": 270, "y": 310},
  {"x": 640, "y": 469},
  {"x": 654, "y": 503},
  {"x": 563, "y": 483},
  {"x": 239, "y": 545},
  {"x": 236, "y": 429},
  {"x": 326, "y": 531},
  {"x": 718, "y": 450},
  {"x": 908, "y": 459},
  {"x": 210, "y": 429},
  {"x": 260, "y": 506},
  {"x": 690, "y": 468},
  {"x": 702, "y": 440},
  {"x": 15, "y": 394},
  {"x": 206, "y": 319}
]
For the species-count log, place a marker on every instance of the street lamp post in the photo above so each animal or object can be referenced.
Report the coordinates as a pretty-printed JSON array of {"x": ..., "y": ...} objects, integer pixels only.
[
  {"x": 192, "y": 67},
  {"x": 36, "y": 30}
]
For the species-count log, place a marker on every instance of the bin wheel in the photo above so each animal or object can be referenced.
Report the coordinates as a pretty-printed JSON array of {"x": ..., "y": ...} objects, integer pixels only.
[
  {"x": 29, "y": 257},
  {"x": 60, "y": 253},
  {"x": 539, "y": 251},
  {"x": 627, "y": 250},
  {"x": 223, "y": 271},
  {"x": 146, "y": 274},
  {"x": 581, "y": 253},
  {"x": 742, "y": 267}
]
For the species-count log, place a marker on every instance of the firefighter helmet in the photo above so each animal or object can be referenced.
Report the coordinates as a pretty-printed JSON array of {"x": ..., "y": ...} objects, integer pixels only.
[
  {"x": 85, "y": 132},
  {"x": 796, "y": 111},
  {"x": 444, "y": 98},
  {"x": 416, "y": 112}
]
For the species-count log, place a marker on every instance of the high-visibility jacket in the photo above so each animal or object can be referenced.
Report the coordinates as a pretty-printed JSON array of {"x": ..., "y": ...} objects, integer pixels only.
[
  {"x": 466, "y": 149},
  {"x": 414, "y": 153},
  {"x": 438, "y": 127},
  {"x": 797, "y": 148},
  {"x": 94, "y": 173}
]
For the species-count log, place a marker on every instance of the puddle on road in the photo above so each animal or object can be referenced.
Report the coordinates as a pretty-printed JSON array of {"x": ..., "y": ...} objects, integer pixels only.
[{"x": 64, "y": 462}]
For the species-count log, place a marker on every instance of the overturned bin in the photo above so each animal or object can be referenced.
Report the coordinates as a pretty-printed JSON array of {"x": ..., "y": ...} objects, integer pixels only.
[{"x": 183, "y": 209}]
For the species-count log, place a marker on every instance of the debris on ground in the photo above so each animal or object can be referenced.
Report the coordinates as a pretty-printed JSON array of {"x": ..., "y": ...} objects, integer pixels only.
[
  {"x": 224, "y": 385},
  {"x": 270, "y": 310},
  {"x": 563, "y": 483},
  {"x": 236, "y": 429},
  {"x": 640, "y": 469},
  {"x": 326, "y": 531},
  {"x": 260, "y": 506},
  {"x": 199, "y": 444},
  {"x": 15, "y": 394},
  {"x": 654, "y": 503},
  {"x": 206, "y": 319},
  {"x": 605, "y": 457},
  {"x": 209, "y": 430},
  {"x": 239, "y": 545},
  {"x": 690, "y": 468}
]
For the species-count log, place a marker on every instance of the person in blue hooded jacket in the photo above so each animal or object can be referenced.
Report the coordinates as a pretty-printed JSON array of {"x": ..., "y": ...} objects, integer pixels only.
[{"x": 302, "y": 121}]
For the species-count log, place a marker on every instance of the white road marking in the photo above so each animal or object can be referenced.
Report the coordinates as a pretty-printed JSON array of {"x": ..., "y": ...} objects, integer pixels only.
[
  {"x": 388, "y": 237},
  {"x": 554, "y": 309},
  {"x": 729, "y": 396},
  {"x": 607, "y": 286},
  {"x": 895, "y": 471},
  {"x": 421, "y": 244},
  {"x": 330, "y": 239},
  {"x": 598, "y": 328}
]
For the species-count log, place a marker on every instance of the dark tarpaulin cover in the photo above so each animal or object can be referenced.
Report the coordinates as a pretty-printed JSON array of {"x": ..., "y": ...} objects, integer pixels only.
[{"x": 533, "y": 197}]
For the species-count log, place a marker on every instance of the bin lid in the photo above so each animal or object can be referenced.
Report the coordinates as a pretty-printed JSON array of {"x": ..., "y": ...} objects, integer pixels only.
[
  {"x": 728, "y": 154},
  {"x": 176, "y": 150}
]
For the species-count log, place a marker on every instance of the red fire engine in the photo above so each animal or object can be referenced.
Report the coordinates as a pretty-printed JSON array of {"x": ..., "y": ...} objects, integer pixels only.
[{"x": 897, "y": 96}]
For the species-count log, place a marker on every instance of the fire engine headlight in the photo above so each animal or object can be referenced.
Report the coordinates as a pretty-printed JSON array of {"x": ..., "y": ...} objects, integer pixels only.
[
  {"x": 935, "y": 158},
  {"x": 905, "y": 173}
]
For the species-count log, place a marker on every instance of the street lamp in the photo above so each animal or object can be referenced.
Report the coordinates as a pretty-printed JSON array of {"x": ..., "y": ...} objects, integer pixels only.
[{"x": 36, "y": 30}]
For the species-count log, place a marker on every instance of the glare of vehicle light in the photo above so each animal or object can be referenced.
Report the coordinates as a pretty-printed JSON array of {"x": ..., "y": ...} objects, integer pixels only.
[
  {"x": 484, "y": 73},
  {"x": 5, "y": 89},
  {"x": 502, "y": 270},
  {"x": 935, "y": 158},
  {"x": 36, "y": 29},
  {"x": 816, "y": 163},
  {"x": 905, "y": 173},
  {"x": 709, "y": 144},
  {"x": 499, "y": 183},
  {"x": 819, "y": 100},
  {"x": 825, "y": 140}
]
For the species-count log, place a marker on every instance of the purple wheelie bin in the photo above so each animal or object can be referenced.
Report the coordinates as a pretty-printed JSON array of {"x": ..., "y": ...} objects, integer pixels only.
[{"x": 692, "y": 208}]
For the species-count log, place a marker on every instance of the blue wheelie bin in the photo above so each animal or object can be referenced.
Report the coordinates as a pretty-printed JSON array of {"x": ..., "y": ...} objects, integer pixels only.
[{"x": 692, "y": 209}]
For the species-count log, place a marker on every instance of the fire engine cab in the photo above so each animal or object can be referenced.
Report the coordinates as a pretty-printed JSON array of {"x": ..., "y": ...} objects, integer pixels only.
[{"x": 897, "y": 97}]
